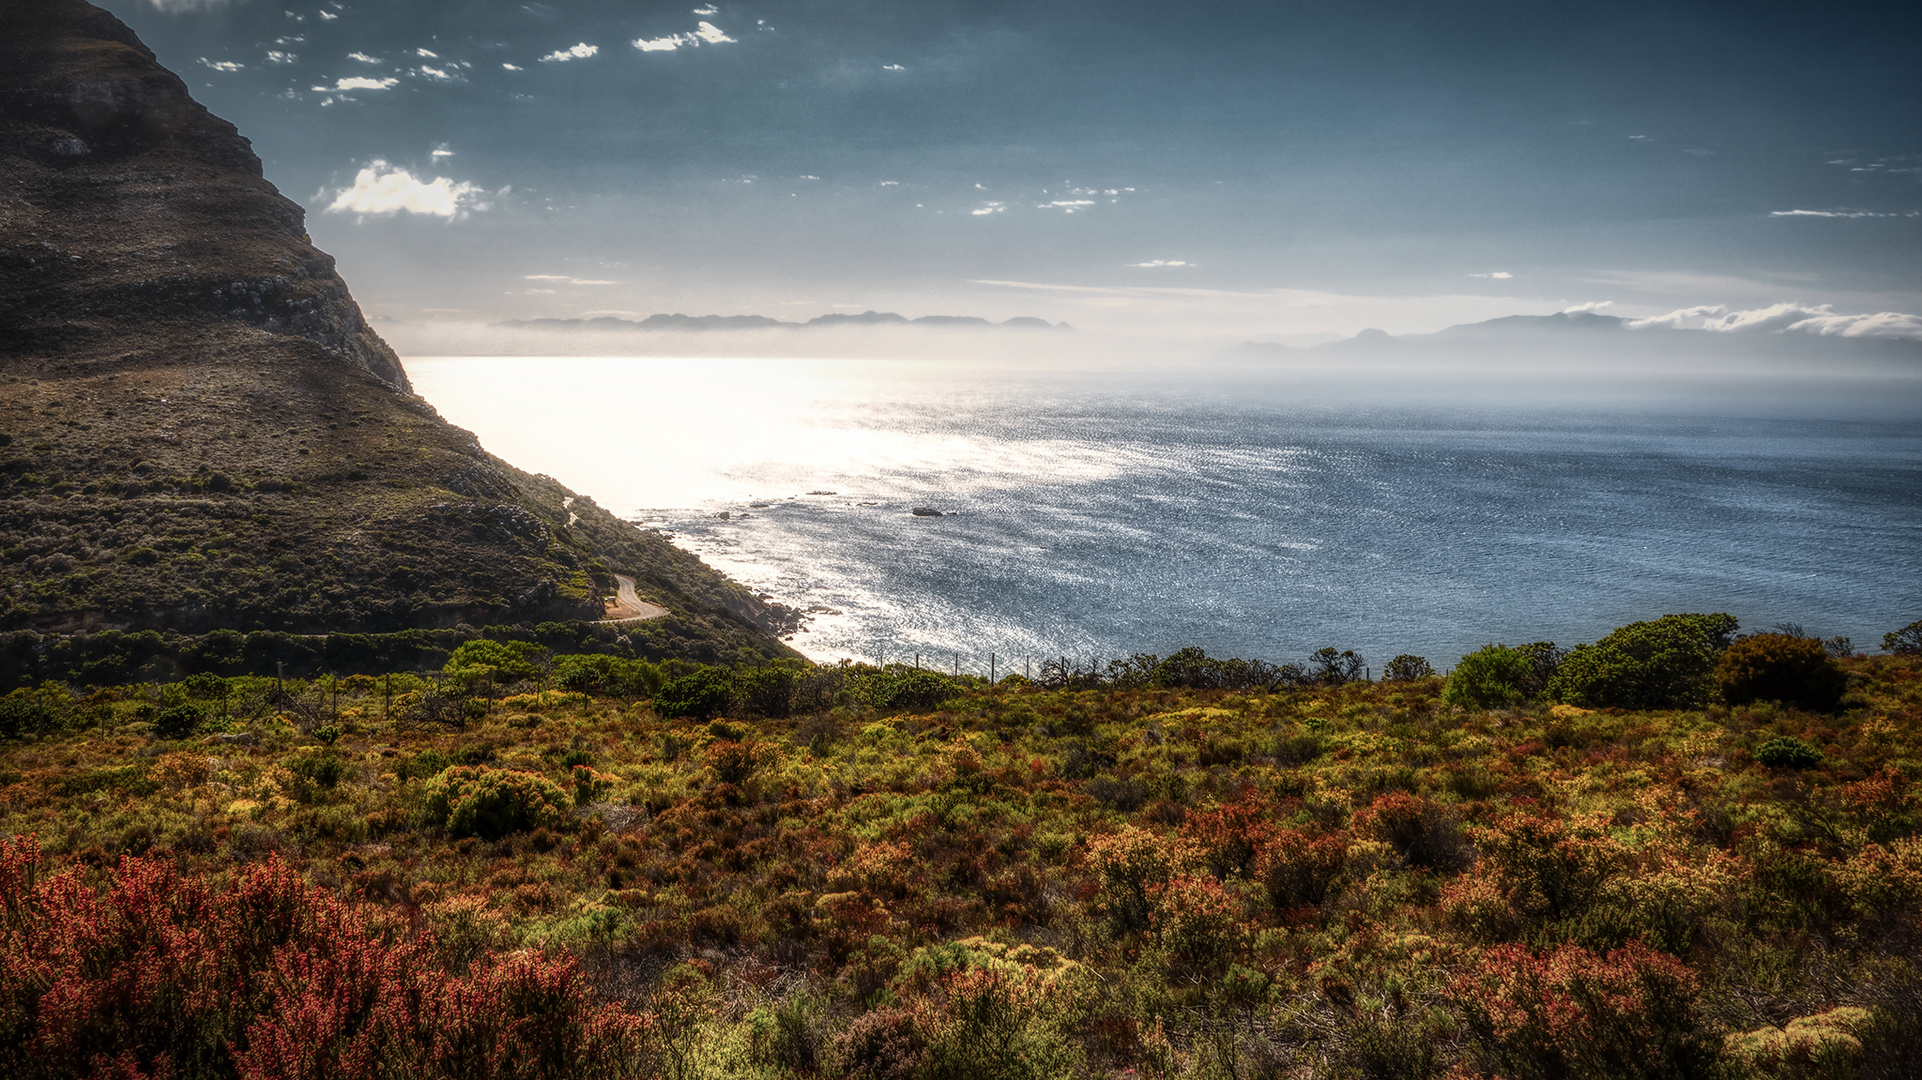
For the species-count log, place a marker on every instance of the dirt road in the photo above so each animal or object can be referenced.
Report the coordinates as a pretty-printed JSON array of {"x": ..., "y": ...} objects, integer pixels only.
[{"x": 628, "y": 607}]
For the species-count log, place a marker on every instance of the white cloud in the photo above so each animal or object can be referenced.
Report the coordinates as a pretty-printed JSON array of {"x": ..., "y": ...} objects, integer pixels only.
[
  {"x": 357, "y": 82},
  {"x": 427, "y": 54},
  {"x": 364, "y": 58},
  {"x": 663, "y": 44},
  {"x": 1154, "y": 263},
  {"x": 1788, "y": 318},
  {"x": 328, "y": 16},
  {"x": 434, "y": 72},
  {"x": 892, "y": 67},
  {"x": 890, "y": 183},
  {"x": 511, "y": 67},
  {"x": 382, "y": 189},
  {"x": 1826, "y": 213},
  {"x": 1498, "y": 275},
  {"x": 275, "y": 56},
  {"x": 174, "y": 6},
  {"x": 569, "y": 280},
  {"x": 221, "y": 65},
  {"x": 578, "y": 52},
  {"x": 988, "y": 208},
  {"x": 711, "y": 34},
  {"x": 1590, "y": 305},
  {"x": 708, "y": 10},
  {"x": 442, "y": 151}
]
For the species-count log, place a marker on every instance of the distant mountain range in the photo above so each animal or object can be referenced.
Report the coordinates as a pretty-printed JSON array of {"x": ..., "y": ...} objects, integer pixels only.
[
  {"x": 1577, "y": 334},
  {"x": 678, "y": 321}
]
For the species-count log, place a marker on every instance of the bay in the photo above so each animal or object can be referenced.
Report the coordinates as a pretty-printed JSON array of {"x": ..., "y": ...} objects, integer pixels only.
[{"x": 1094, "y": 514}]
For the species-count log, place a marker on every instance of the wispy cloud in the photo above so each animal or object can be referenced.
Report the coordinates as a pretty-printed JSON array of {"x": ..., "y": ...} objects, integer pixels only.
[
  {"x": 221, "y": 65},
  {"x": 704, "y": 34},
  {"x": 1590, "y": 305},
  {"x": 442, "y": 151},
  {"x": 383, "y": 189},
  {"x": 989, "y": 208},
  {"x": 569, "y": 280},
  {"x": 892, "y": 67},
  {"x": 364, "y": 58},
  {"x": 578, "y": 52},
  {"x": 172, "y": 6},
  {"x": 1789, "y": 317},
  {"x": 1153, "y": 264},
  {"x": 1827, "y": 213},
  {"x": 358, "y": 82},
  {"x": 276, "y": 56},
  {"x": 438, "y": 73},
  {"x": 1498, "y": 275},
  {"x": 512, "y": 67},
  {"x": 708, "y": 10},
  {"x": 427, "y": 54}
]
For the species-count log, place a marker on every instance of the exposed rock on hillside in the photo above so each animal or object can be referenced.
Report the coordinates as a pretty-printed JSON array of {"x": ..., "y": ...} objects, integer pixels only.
[{"x": 197, "y": 427}]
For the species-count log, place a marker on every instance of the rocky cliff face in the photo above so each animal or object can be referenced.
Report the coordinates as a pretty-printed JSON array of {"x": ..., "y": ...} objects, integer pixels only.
[
  {"x": 199, "y": 430},
  {"x": 130, "y": 207}
]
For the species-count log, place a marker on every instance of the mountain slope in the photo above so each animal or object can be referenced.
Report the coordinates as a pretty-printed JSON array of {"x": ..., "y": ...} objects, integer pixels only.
[{"x": 199, "y": 430}]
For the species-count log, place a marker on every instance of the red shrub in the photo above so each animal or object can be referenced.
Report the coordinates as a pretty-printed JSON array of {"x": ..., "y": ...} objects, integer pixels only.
[
  {"x": 1297, "y": 868},
  {"x": 161, "y": 974},
  {"x": 1425, "y": 832},
  {"x": 1571, "y": 1015}
]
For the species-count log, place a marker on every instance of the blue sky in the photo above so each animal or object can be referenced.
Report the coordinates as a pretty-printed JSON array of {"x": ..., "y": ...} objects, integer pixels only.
[{"x": 1270, "y": 170}]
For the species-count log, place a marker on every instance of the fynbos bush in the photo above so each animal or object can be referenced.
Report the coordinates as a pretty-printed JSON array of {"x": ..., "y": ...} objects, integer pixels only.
[
  {"x": 492, "y": 803},
  {"x": 1779, "y": 667}
]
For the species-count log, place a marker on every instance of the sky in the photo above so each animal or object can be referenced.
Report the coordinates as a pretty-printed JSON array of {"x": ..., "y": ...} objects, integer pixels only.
[{"x": 1277, "y": 171}]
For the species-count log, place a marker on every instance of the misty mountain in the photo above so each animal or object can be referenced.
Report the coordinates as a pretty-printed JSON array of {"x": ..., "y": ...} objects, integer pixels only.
[{"x": 761, "y": 322}]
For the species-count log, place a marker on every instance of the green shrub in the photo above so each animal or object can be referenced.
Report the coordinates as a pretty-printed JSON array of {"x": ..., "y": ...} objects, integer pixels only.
[
  {"x": 767, "y": 691},
  {"x": 1780, "y": 667},
  {"x": 1788, "y": 752},
  {"x": 1906, "y": 641},
  {"x": 325, "y": 770},
  {"x": 492, "y": 803},
  {"x": 1667, "y": 663},
  {"x": 595, "y": 674},
  {"x": 427, "y": 763},
  {"x": 915, "y": 691},
  {"x": 699, "y": 696},
  {"x": 1491, "y": 677},
  {"x": 178, "y": 721},
  {"x": 509, "y": 661},
  {"x": 1407, "y": 668}
]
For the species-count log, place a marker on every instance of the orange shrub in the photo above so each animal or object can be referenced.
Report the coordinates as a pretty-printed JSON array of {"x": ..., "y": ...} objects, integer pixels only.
[{"x": 1780, "y": 667}]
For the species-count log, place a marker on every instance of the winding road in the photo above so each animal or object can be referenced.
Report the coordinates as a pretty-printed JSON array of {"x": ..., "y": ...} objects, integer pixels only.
[{"x": 627, "y": 607}]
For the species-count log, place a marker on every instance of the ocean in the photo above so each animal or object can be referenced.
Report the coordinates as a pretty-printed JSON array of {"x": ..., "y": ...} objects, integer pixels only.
[{"x": 1095, "y": 514}]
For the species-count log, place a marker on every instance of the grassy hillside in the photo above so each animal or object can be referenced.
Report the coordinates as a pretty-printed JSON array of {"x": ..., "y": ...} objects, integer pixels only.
[
  {"x": 911, "y": 877},
  {"x": 199, "y": 431}
]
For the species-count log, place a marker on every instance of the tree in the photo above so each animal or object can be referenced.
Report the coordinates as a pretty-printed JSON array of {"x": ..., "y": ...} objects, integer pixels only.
[
  {"x": 1491, "y": 677},
  {"x": 1407, "y": 668},
  {"x": 1777, "y": 667},
  {"x": 1906, "y": 641},
  {"x": 1666, "y": 663}
]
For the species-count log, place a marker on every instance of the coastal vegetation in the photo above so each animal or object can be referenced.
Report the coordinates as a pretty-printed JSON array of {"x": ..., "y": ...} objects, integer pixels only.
[{"x": 1677, "y": 852}]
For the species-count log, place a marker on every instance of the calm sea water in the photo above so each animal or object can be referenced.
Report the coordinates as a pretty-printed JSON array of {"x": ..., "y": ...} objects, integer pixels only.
[{"x": 1097, "y": 515}]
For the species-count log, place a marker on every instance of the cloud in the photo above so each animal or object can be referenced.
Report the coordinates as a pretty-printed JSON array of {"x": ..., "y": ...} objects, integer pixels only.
[
  {"x": 175, "y": 6},
  {"x": 221, "y": 65},
  {"x": 1790, "y": 317},
  {"x": 427, "y": 54},
  {"x": 1154, "y": 263},
  {"x": 892, "y": 67},
  {"x": 662, "y": 44},
  {"x": 705, "y": 33},
  {"x": 578, "y": 52},
  {"x": 437, "y": 73},
  {"x": 1590, "y": 305},
  {"x": 708, "y": 10},
  {"x": 569, "y": 280},
  {"x": 711, "y": 34},
  {"x": 1827, "y": 213},
  {"x": 512, "y": 67},
  {"x": 357, "y": 82},
  {"x": 442, "y": 151},
  {"x": 382, "y": 189},
  {"x": 275, "y": 56},
  {"x": 1498, "y": 275},
  {"x": 988, "y": 208},
  {"x": 364, "y": 58}
]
